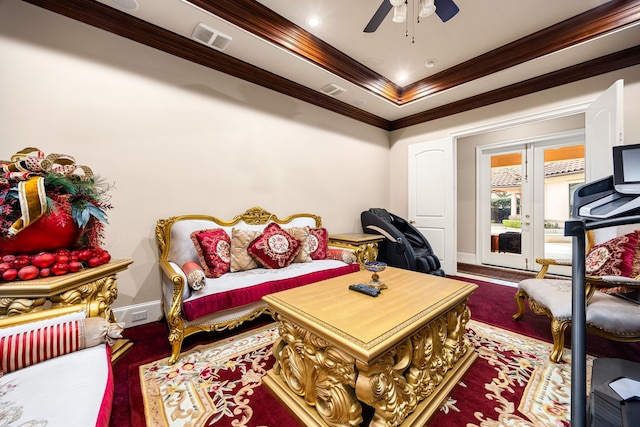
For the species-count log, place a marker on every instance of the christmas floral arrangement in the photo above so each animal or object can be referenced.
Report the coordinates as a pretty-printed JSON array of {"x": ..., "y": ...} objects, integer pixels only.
[{"x": 52, "y": 216}]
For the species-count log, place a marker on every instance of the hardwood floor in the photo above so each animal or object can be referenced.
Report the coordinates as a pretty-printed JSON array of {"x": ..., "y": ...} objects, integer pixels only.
[{"x": 500, "y": 273}]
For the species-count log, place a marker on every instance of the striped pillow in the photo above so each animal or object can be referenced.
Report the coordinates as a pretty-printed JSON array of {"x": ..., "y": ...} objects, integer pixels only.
[{"x": 27, "y": 348}]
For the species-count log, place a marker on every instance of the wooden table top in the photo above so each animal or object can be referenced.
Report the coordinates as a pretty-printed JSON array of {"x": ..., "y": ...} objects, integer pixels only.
[
  {"x": 366, "y": 326},
  {"x": 356, "y": 237}
]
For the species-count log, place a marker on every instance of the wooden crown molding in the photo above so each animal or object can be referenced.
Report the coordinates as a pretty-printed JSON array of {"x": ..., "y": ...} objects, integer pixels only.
[
  {"x": 263, "y": 22},
  {"x": 595, "y": 67},
  {"x": 578, "y": 29},
  {"x": 256, "y": 18}
]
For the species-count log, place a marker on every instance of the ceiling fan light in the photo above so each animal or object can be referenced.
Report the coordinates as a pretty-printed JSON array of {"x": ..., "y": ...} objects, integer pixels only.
[
  {"x": 426, "y": 8},
  {"x": 400, "y": 13}
]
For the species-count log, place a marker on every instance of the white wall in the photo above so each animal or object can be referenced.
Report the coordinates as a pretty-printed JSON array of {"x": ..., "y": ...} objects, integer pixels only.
[{"x": 175, "y": 137}]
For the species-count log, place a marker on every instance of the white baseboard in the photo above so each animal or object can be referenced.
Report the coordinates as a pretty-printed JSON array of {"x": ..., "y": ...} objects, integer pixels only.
[
  {"x": 467, "y": 258},
  {"x": 152, "y": 311}
]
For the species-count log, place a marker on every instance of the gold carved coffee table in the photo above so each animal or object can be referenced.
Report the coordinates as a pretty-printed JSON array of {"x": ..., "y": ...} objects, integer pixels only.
[{"x": 342, "y": 354}]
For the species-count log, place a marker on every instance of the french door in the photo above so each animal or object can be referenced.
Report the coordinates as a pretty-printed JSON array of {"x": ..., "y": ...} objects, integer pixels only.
[
  {"x": 505, "y": 206},
  {"x": 525, "y": 196}
]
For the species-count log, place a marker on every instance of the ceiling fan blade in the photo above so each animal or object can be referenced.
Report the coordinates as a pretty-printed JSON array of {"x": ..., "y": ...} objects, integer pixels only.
[
  {"x": 378, "y": 17},
  {"x": 446, "y": 9}
]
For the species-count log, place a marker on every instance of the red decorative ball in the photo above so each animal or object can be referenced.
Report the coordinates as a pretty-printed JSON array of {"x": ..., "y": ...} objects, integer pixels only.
[{"x": 47, "y": 234}]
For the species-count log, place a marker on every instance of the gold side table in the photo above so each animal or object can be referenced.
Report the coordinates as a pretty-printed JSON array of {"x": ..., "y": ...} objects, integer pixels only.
[
  {"x": 365, "y": 246},
  {"x": 92, "y": 290}
]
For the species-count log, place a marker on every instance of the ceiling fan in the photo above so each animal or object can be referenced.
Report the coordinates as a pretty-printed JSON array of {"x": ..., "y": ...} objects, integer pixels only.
[{"x": 445, "y": 9}]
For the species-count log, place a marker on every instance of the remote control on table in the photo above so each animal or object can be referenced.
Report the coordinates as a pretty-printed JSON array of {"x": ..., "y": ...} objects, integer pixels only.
[{"x": 360, "y": 287}]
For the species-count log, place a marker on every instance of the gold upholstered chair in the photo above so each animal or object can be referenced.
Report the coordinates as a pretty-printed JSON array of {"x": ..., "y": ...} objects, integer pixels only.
[{"x": 612, "y": 287}]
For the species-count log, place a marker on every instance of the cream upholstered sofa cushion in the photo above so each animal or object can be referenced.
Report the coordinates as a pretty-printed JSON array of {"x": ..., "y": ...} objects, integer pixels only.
[
  {"x": 614, "y": 314},
  {"x": 606, "y": 312},
  {"x": 555, "y": 294},
  {"x": 74, "y": 390}
]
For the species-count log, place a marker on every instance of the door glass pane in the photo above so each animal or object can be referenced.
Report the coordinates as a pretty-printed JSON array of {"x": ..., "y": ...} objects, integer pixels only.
[
  {"x": 563, "y": 173},
  {"x": 506, "y": 192}
]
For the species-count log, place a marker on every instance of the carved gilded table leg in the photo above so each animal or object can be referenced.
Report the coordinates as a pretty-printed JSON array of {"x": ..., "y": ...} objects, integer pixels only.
[
  {"x": 395, "y": 383},
  {"x": 319, "y": 372},
  {"x": 382, "y": 385},
  {"x": 367, "y": 252},
  {"x": 97, "y": 296},
  {"x": 16, "y": 306}
]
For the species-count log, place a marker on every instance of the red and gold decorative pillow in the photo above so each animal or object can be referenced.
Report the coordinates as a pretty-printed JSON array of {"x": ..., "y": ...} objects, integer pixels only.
[
  {"x": 26, "y": 348},
  {"x": 342, "y": 255},
  {"x": 275, "y": 248},
  {"x": 241, "y": 260},
  {"x": 635, "y": 270},
  {"x": 301, "y": 234},
  {"x": 612, "y": 258},
  {"x": 213, "y": 248},
  {"x": 318, "y": 243}
]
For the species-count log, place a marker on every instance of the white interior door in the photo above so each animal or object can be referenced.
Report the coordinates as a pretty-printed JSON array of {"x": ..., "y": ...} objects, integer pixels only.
[
  {"x": 431, "y": 191},
  {"x": 604, "y": 129}
]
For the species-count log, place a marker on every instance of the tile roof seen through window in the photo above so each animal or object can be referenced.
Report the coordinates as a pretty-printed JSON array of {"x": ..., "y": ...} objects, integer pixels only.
[{"x": 511, "y": 177}]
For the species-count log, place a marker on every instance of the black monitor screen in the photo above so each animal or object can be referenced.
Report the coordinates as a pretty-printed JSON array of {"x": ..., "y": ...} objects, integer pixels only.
[
  {"x": 626, "y": 164},
  {"x": 631, "y": 165}
]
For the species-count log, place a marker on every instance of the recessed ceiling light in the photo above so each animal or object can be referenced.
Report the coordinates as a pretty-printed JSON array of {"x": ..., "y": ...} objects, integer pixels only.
[
  {"x": 127, "y": 4},
  {"x": 402, "y": 77},
  {"x": 430, "y": 63},
  {"x": 314, "y": 21}
]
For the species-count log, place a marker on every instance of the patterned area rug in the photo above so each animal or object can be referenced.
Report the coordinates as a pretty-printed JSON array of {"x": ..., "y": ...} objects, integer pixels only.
[{"x": 512, "y": 383}]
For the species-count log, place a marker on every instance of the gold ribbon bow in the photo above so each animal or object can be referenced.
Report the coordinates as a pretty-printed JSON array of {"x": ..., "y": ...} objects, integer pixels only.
[{"x": 29, "y": 166}]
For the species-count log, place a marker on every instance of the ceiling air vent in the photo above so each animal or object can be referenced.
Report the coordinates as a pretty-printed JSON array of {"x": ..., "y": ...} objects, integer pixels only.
[
  {"x": 207, "y": 35},
  {"x": 332, "y": 89}
]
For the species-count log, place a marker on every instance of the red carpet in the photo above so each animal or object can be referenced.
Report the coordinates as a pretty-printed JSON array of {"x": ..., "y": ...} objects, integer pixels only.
[{"x": 492, "y": 304}]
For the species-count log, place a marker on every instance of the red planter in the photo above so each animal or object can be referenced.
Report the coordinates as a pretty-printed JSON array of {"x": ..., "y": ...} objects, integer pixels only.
[{"x": 47, "y": 234}]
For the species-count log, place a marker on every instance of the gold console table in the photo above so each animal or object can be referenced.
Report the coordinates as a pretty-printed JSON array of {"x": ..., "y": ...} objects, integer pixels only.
[
  {"x": 92, "y": 290},
  {"x": 365, "y": 246}
]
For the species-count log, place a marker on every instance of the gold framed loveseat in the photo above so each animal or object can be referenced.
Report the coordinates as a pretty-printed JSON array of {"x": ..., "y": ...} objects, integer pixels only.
[{"x": 233, "y": 298}]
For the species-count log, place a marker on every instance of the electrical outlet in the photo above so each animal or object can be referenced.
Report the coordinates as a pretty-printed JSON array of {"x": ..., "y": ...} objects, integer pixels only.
[{"x": 138, "y": 316}]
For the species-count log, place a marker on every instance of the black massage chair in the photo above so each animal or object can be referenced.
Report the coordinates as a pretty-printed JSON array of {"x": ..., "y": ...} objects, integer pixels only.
[{"x": 404, "y": 246}]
